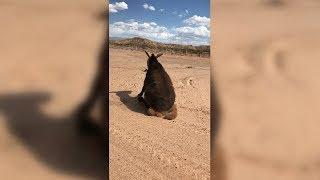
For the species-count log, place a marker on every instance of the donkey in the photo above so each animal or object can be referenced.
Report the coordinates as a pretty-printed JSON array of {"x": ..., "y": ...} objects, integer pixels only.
[{"x": 157, "y": 92}]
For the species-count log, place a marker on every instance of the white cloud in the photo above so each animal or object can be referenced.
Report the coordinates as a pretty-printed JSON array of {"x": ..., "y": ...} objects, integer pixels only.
[
  {"x": 161, "y": 10},
  {"x": 147, "y": 30},
  {"x": 200, "y": 31},
  {"x": 198, "y": 21},
  {"x": 199, "y": 35},
  {"x": 188, "y": 40},
  {"x": 152, "y": 8},
  {"x": 131, "y": 20},
  {"x": 118, "y": 6},
  {"x": 146, "y": 6},
  {"x": 183, "y": 14},
  {"x": 195, "y": 35}
]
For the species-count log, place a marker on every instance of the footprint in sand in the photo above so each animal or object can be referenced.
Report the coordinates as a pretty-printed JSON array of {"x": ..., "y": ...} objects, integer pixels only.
[
  {"x": 266, "y": 59},
  {"x": 187, "y": 81},
  {"x": 275, "y": 3}
]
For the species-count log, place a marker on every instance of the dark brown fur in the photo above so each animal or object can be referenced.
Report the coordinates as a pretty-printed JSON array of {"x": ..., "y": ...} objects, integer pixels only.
[{"x": 159, "y": 96}]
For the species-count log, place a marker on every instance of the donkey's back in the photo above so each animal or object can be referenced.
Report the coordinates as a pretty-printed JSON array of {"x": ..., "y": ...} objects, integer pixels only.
[{"x": 160, "y": 92}]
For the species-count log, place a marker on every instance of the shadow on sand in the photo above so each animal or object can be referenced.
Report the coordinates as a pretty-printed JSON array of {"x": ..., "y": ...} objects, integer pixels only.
[
  {"x": 55, "y": 141},
  {"x": 131, "y": 102}
]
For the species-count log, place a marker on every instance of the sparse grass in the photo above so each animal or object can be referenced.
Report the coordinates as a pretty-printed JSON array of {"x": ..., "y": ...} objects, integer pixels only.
[{"x": 142, "y": 44}]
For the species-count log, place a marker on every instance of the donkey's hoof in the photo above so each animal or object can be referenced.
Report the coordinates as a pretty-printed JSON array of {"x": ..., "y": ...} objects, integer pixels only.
[{"x": 151, "y": 112}]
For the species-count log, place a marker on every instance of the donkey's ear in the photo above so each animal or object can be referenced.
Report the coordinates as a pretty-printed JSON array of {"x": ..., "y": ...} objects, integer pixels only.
[
  {"x": 159, "y": 55},
  {"x": 147, "y": 53}
]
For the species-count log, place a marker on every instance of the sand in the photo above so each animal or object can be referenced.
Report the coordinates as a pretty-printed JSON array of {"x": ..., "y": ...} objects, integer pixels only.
[
  {"x": 144, "y": 147},
  {"x": 48, "y": 55},
  {"x": 48, "y": 59},
  {"x": 265, "y": 62}
]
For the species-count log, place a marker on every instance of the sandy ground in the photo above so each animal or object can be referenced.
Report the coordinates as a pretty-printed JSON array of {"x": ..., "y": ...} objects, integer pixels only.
[
  {"x": 144, "y": 147},
  {"x": 48, "y": 55},
  {"x": 266, "y": 59}
]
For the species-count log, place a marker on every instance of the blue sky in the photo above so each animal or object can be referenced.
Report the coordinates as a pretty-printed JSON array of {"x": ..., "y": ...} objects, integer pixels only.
[{"x": 169, "y": 21}]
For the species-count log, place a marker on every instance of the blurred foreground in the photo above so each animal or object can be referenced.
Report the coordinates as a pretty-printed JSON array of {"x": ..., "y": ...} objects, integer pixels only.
[
  {"x": 266, "y": 59},
  {"x": 48, "y": 56}
]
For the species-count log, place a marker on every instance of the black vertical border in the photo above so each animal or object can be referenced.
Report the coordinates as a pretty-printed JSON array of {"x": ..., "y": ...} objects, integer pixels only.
[
  {"x": 215, "y": 109},
  {"x": 105, "y": 78}
]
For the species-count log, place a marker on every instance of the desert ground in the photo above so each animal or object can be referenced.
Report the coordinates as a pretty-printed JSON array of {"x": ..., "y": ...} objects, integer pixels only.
[
  {"x": 48, "y": 58},
  {"x": 145, "y": 147},
  {"x": 265, "y": 61}
]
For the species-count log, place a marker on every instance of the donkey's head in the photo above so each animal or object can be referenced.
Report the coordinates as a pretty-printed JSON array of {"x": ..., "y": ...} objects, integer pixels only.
[{"x": 152, "y": 60}]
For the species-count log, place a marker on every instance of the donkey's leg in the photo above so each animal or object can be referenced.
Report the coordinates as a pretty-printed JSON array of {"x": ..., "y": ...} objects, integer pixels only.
[
  {"x": 152, "y": 112},
  {"x": 143, "y": 88},
  {"x": 146, "y": 104},
  {"x": 140, "y": 98}
]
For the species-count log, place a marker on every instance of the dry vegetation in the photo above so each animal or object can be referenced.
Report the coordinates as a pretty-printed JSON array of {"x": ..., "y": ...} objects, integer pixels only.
[{"x": 142, "y": 44}]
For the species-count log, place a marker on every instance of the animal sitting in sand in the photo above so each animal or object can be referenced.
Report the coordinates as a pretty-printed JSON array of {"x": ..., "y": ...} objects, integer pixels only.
[{"x": 157, "y": 92}]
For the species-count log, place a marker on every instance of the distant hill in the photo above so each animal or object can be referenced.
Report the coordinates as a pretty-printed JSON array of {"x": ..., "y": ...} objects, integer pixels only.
[
  {"x": 141, "y": 44},
  {"x": 116, "y": 38}
]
